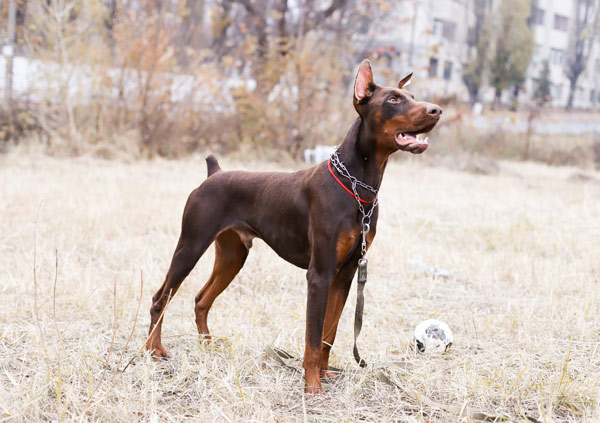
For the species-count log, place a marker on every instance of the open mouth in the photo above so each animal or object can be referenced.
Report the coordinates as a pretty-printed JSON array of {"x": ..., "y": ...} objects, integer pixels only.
[{"x": 410, "y": 141}]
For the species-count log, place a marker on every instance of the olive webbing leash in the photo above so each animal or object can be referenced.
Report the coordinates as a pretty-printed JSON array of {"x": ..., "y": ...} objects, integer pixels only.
[{"x": 360, "y": 304}]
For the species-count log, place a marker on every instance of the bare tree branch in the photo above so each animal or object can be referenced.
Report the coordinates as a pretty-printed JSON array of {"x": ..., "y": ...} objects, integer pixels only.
[{"x": 582, "y": 40}]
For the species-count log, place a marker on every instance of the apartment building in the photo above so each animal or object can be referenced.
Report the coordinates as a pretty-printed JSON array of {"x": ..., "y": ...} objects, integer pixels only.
[
  {"x": 427, "y": 37},
  {"x": 552, "y": 24},
  {"x": 431, "y": 37}
]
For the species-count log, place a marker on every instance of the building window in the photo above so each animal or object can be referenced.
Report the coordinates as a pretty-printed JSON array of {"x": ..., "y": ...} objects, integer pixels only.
[
  {"x": 438, "y": 28},
  {"x": 449, "y": 30},
  {"x": 557, "y": 57},
  {"x": 433, "y": 65},
  {"x": 471, "y": 38},
  {"x": 592, "y": 96},
  {"x": 556, "y": 91},
  {"x": 561, "y": 23},
  {"x": 448, "y": 70},
  {"x": 444, "y": 29},
  {"x": 537, "y": 16}
]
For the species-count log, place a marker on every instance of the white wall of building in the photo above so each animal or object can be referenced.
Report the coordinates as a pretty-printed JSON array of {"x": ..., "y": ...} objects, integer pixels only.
[
  {"x": 427, "y": 37},
  {"x": 552, "y": 44}
]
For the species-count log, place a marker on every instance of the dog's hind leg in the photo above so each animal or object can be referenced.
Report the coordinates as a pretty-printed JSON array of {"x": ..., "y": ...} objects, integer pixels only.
[
  {"x": 196, "y": 237},
  {"x": 230, "y": 254}
]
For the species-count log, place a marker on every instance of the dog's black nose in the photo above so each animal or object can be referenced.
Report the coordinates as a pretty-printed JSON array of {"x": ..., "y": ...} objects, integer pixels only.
[{"x": 434, "y": 110}]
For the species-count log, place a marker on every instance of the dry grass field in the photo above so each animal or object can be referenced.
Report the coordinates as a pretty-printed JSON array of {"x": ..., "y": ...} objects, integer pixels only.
[{"x": 523, "y": 300}]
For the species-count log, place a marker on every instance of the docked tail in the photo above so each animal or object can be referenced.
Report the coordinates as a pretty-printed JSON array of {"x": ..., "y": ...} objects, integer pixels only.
[{"x": 212, "y": 165}]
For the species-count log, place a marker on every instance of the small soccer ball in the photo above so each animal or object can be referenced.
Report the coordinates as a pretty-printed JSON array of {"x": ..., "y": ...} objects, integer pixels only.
[{"x": 433, "y": 337}]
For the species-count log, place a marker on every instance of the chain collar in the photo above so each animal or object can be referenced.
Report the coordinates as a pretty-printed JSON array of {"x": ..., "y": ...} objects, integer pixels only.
[{"x": 366, "y": 216}]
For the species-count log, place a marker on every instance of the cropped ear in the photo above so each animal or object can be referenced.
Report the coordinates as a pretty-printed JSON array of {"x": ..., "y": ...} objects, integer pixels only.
[
  {"x": 405, "y": 80},
  {"x": 364, "y": 81}
]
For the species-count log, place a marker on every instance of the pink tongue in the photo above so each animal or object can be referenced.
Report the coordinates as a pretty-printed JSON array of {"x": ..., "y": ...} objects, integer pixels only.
[{"x": 409, "y": 139}]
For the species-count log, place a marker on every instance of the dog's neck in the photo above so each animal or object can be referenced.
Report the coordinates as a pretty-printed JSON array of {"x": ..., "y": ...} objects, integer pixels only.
[{"x": 359, "y": 152}]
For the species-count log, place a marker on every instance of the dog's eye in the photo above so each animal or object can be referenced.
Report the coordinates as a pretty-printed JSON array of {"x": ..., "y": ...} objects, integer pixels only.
[{"x": 393, "y": 100}]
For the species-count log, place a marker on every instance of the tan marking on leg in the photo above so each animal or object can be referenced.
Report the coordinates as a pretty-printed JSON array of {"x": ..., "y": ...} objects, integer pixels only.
[
  {"x": 231, "y": 250},
  {"x": 344, "y": 244},
  {"x": 335, "y": 304}
]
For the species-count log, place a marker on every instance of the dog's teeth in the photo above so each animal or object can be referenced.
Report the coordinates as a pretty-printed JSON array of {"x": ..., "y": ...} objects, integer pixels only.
[{"x": 426, "y": 140}]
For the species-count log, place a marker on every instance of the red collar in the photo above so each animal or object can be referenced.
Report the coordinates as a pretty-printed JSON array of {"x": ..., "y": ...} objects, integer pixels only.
[{"x": 345, "y": 187}]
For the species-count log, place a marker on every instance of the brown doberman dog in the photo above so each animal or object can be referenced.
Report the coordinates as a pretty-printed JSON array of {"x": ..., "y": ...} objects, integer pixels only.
[{"x": 307, "y": 217}]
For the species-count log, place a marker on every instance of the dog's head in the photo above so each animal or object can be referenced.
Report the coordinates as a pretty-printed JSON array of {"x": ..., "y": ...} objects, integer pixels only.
[{"x": 392, "y": 113}]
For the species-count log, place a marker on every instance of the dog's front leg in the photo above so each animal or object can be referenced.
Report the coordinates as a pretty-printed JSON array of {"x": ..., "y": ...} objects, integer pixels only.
[
  {"x": 338, "y": 293},
  {"x": 320, "y": 275}
]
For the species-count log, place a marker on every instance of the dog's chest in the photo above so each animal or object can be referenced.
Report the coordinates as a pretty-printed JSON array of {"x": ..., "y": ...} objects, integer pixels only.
[{"x": 349, "y": 241}]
